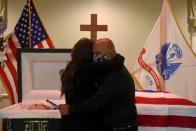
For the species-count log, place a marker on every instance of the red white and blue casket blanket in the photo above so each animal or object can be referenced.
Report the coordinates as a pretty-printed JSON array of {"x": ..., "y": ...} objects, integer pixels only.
[{"x": 164, "y": 111}]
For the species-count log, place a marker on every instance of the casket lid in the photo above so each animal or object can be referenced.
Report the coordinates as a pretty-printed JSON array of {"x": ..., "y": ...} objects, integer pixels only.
[{"x": 38, "y": 73}]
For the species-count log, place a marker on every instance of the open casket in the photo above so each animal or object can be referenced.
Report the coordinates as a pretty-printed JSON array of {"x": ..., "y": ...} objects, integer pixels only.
[{"x": 38, "y": 80}]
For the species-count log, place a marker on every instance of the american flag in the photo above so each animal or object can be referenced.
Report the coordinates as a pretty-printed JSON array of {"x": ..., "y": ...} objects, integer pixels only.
[
  {"x": 29, "y": 32},
  {"x": 164, "y": 111}
]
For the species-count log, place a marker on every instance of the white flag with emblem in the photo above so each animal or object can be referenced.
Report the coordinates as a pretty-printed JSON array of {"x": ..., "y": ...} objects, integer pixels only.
[{"x": 167, "y": 62}]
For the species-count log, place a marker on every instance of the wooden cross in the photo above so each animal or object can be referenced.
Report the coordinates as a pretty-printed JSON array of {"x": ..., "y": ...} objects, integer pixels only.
[{"x": 93, "y": 27}]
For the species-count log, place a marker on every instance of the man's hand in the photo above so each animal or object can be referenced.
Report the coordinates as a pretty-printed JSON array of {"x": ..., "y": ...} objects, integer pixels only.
[{"x": 64, "y": 109}]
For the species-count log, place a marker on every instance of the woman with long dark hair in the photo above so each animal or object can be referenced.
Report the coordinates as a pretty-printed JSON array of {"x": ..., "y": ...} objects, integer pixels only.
[
  {"x": 80, "y": 54},
  {"x": 76, "y": 86}
]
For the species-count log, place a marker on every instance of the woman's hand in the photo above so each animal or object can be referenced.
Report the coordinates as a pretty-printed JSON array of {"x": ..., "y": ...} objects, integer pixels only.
[{"x": 64, "y": 109}]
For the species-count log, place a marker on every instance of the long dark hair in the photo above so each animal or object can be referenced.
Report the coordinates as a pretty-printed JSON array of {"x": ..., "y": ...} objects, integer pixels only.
[{"x": 81, "y": 52}]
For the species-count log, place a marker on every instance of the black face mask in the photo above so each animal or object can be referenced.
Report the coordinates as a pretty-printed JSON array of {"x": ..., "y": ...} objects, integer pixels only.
[{"x": 97, "y": 57}]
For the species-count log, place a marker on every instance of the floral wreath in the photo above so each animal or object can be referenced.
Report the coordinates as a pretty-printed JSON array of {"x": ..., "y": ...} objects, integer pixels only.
[{"x": 3, "y": 57}]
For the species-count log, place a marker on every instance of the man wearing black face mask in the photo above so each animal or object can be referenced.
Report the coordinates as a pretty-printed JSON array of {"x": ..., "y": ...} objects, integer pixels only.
[{"x": 115, "y": 97}]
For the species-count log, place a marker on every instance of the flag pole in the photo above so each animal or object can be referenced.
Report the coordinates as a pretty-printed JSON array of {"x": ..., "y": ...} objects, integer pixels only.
[
  {"x": 30, "y": 35},
  {"x": 162, "y": 38}
]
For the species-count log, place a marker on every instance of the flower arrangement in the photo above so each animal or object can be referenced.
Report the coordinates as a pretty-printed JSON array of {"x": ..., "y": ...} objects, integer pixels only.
[{"x": 3, "y": 57}]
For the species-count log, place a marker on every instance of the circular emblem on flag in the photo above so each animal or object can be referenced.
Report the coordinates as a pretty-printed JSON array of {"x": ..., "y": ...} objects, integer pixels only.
[{"x": 168, "y": 60}]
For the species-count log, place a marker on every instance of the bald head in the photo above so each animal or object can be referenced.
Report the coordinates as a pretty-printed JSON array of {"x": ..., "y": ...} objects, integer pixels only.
[{"x": 104, "y": 46}]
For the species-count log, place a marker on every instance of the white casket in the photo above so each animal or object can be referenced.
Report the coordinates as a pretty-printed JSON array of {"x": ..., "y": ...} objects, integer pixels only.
[{"x": 38, "y": 80}]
